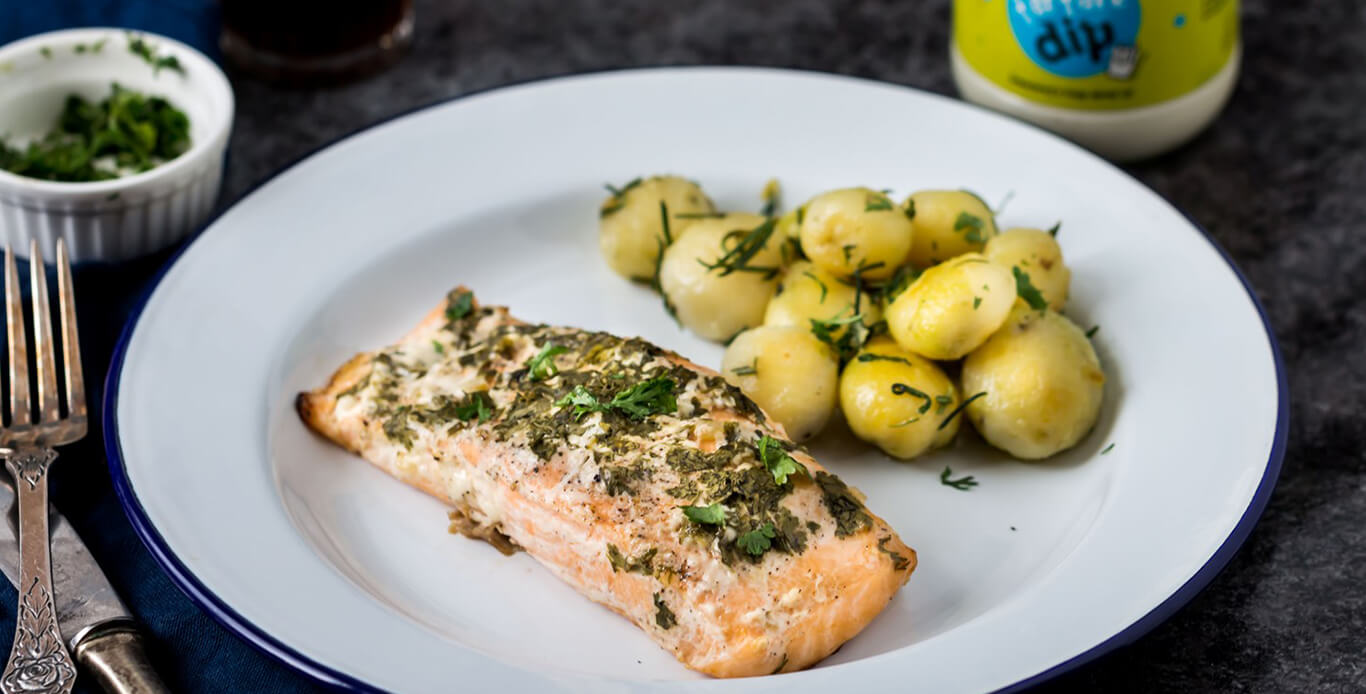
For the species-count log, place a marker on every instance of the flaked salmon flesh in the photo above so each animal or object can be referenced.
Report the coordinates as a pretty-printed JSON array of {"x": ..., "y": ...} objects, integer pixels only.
[{"x": 644, "y": 481}]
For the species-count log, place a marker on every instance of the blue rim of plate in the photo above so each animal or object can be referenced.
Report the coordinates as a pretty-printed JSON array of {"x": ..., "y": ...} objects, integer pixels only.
[{"x": 189, "y": 584}]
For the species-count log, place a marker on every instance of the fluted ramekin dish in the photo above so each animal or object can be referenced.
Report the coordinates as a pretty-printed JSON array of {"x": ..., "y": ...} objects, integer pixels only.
[{"x": 125, "y": 217}]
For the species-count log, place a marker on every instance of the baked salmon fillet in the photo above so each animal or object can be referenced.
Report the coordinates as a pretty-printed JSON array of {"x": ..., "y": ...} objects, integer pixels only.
[{"x": 645, "y": 481}]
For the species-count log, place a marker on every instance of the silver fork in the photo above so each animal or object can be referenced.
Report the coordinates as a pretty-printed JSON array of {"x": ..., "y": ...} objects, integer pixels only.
[{"x": 39, "y": 662}]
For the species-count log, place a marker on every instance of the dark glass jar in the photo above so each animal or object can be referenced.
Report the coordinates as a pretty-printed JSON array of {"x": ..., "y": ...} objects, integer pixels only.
[{"x": 314, "y": 42}]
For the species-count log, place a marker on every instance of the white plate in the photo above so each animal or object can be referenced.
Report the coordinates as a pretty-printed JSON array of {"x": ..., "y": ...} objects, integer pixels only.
[{"x": 326, "y": 563}]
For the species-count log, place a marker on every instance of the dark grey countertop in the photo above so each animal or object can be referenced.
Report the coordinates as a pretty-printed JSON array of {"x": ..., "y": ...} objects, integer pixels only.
[{"x": 1278, "y": 181}]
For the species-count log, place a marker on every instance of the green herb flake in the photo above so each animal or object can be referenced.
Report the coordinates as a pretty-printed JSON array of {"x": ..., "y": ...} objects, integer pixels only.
[
  {"x": 778, "y": 460},
  {"x": 1054, "y": 230},
  {"x": 942, "y": 401},
  {"x": 973, "y": 224},
  {"x": 664, "y": 223},
  {"x": 899, "y": 562},
  {"x": 699, "y": 215},
  {"x": 542, "y": 366},
  {"x": 141, "y": 48},
  {"x": 847, "y": 249},
  {"x": 46, "y": 52},
  {"x": 664, "y": 617},
  {"x": 750, "y": 369},
  {"x": 1027, "y": 290},
  {"x": 824, "y": 289},
  {"x": 877, "y": 202},
  {"x": 1107, "y": 449},
  {"x": 1092, "y": 332},
  {"x": 903, "y": 389},
  {"x": 909, "y": 209},
  {"x": 655, "y": 396},
  {"x": 962, "y": 484},
  {"x": 849, "y": 514},
  {"x": 440, "y": 348},
  {"x": 758, "y": 540},
  {"x": 459, "y": 304},
  {"x": 618, "y": 199},
  {"x": 747, "y": 244},
  {"x": 643, "y": 564},
  {"x": 960, "y": 408},
  {"x": 714, "y": 514},
  {"x": 476, "y": 405},
  {"x": 771, "y": 196},
  {"x": 976, "y": 301},
  {"x": 870, "y": 356}
]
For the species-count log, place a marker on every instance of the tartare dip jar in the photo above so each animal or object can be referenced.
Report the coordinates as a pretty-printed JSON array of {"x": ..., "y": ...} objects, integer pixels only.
[{"x": 1125, "y": 78}]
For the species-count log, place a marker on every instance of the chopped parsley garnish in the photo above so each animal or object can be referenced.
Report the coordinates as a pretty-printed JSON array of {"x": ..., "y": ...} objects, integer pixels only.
[
  {"x": 771, "y": 195},
  {"x": 903, "y": 389},
  {"x": 976, "y": 301},
  {"x": 758, "y": 540},
  {"x": 476, "y": 405},
  {"x": 1054, "y": 230},
  {"x": 850, "y": 342},
  {"x": 778, "y": 460},
  {"x": 973, "y": 224},
  {"x": 1108, "y": 449},
  {"x": 909, "y": 209},
  {"x": 699, "y": 215},
  {"x": 664, "y": 617},
  {"x": 869, "y": 356},
  {"x": 714, "y": 514},
  {"x": 655, "y": 283},
  {"x": 1092, "y": 332},
  {"x": 900, "y": 281},
  {"x": 125, "y": 133},
  {"x": 877, "y": 202},
  {"x": 1027, "y": 290},
  {"x": 655, "y": 396},
  {"x": 960, "y": 408},
  {"x": 962, "y": 484},
  {"x": 542, "y": 366},
  {"x": 942, "y": 401},
  {"x": 45, "y": 52},
  {"x": 140, "y": 48},
  {"x": 750, "y": 369},
  {"x": 801, "y": 214},
  {"x": 459, "y": 304},
  {"x": 748, "y": 244},
  {"x": 846, "y": 249},
  {"x": 440, "y": 348},
  {"x": 824, "y": 289}
]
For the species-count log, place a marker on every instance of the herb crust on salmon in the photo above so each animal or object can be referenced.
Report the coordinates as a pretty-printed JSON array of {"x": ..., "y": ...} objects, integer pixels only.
[{"x": 646, "y": 482}]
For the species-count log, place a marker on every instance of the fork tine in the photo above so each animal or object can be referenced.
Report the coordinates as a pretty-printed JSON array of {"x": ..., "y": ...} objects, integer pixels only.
[
  {"x": 71, "y": 345},
  {"x": 18, "y": 349},
  {"x": 49, "y": 409}
]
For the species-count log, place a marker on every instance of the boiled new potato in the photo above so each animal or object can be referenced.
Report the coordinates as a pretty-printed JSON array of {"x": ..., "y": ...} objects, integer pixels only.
[
  {"x": 788, "y": 372},
  {"x": 855, "y": 230},
  {"x": 1042, "y": 382},
  {"x": 952, "y": 307},
  {"x": 1036, "y": 253},
  {"x": 808, "y": 293},
  {"x": 898, "y": 400},
  {"x": 718, "y": 302},
  {"x": 631, "y": 229},
  {"x": 947, "y": 223}
]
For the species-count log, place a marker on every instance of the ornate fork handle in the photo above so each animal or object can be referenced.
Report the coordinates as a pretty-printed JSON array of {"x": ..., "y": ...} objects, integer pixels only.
[{"x": 38, "y": 662}]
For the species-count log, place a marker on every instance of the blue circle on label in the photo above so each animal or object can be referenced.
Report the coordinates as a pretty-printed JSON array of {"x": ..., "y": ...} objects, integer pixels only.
[{"x": 1074, "y": 38}]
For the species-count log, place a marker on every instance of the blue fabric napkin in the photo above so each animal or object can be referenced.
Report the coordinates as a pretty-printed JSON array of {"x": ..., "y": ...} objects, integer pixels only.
[{"x": 191, "y": 651}]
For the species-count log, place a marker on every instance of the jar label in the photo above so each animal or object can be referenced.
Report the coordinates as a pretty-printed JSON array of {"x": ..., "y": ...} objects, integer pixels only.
[{"x": 1096, "y": 54}]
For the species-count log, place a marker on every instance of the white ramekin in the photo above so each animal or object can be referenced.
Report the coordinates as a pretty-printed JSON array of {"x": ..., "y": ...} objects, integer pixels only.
[{"x": 125, "y": 217}]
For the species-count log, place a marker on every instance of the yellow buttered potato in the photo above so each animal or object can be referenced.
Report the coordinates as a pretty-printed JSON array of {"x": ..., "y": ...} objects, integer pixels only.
[
  {"x": 789, "y": 373},
  {"x": 631, "y": 224},
  {"x": 1042, "y": 385},
  {"x": 947, "y": 224},
  {"x": 898, "y": 400},
  {"x": 855, "y": 230},
  {"x": 715, "y": 290},
  {"x": 1037, "y": 254},
  {"x": 808, "y": 293},
  {"x": 952, "y": 307}
]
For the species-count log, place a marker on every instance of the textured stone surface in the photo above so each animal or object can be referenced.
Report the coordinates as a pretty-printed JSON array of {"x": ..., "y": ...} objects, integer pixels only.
[{"x": 1278, "y": 181}]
